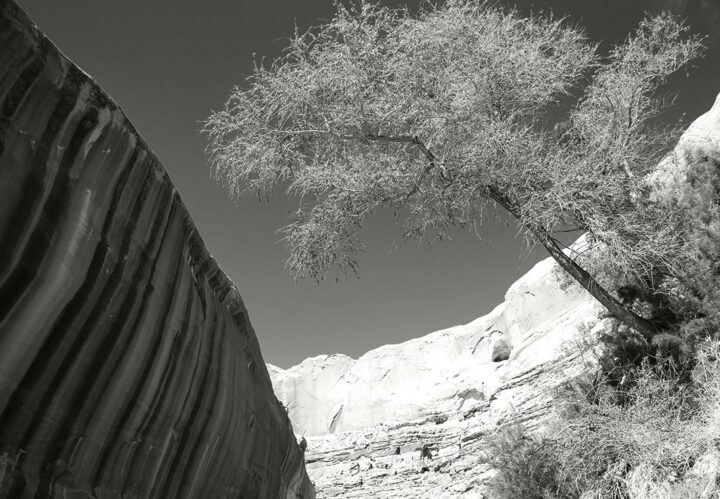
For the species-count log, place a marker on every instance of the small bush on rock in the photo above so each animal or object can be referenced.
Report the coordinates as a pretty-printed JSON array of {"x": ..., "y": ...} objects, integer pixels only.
[
  {"x": 526, "y": 466},
  {"x": 656, "y": 436}
]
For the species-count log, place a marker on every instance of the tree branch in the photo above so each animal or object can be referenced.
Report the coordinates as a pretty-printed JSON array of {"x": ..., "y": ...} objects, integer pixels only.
[
  {"x": 415, "y": 140},
  {"x": 405, "y": 139},
  {"x": 626, "y": 168}
]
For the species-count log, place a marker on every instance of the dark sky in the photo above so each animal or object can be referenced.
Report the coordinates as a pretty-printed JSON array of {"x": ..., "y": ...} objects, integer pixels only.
[{"x": 168, "y": 63}]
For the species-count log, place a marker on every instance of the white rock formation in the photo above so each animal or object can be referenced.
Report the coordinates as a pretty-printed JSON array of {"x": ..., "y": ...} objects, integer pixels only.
[
  {"x": 697, "y": 149},
  {"x": 445, "y": 371},
  {"x": 367, "y": 420}
]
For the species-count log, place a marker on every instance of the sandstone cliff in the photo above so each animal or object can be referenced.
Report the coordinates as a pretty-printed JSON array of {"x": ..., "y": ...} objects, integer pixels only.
[
  {"x": 367, "y": 420},
  {"x": 128, "y": 365}
]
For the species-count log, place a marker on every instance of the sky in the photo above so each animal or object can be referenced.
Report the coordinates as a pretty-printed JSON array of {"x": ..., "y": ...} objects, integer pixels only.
[{"x": 168, "y": 63}]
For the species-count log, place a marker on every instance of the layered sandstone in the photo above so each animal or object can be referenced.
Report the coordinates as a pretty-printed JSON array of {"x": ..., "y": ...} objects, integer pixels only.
[
  {"x": 367, "y": 420},
  {"x": 128, "y": 365}
]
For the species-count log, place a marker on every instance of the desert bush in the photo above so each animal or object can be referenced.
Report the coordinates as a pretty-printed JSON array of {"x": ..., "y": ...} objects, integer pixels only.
[
  {"x": 606, "y": 440},
  {"x": 526, "y": 466},
  {"x": 702, "y": 437},
  {"x": 626, "y": 354},
  {"x": 610, "y": 440}
]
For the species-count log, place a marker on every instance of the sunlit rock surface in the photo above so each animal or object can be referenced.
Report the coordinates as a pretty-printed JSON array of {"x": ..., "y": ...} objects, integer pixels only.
[
  {"x": 689, "y": 175},
  {"x": 128, "y": 366},
  {"x": 367, "y": 420}
]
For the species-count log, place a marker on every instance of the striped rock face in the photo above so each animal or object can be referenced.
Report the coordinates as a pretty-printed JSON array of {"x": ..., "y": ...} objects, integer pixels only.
[{"x": 128, "y": 366}]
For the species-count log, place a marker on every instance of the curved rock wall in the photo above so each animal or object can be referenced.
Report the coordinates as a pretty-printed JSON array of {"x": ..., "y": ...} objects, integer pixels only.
[
  {"x": 128, "y": 366},
  {"x": 368, "y": 420},
  {"x": 442, "y": 372}
]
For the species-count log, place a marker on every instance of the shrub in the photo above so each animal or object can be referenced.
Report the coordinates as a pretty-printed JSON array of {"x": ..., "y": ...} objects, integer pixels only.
[
  {"x": 655, "y": 437},
  {"x": 605, "y": 440},
  {"x": 526, "y": 466}
]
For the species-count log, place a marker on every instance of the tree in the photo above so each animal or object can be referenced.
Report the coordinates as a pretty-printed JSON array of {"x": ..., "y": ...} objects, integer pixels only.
[{"x": 440, "y": 113}]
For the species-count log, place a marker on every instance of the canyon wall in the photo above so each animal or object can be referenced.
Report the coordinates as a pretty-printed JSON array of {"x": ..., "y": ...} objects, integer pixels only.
[
  {"x": 444, "y": 371},
  {"x": 128, "y": 365},
  {"x": 367, "y": 420}
]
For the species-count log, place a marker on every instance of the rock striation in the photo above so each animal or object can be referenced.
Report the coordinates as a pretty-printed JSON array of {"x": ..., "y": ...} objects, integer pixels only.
[
  {"x": 368, "y": 420},
  {"x": 128, "y": 365}
]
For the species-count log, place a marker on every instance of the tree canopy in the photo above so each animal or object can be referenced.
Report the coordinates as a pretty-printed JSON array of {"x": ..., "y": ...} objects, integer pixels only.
[{"x": 437, "y": 114}]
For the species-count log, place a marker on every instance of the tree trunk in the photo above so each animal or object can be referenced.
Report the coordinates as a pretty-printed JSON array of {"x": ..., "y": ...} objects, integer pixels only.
[{"x": 620, "y": 311}]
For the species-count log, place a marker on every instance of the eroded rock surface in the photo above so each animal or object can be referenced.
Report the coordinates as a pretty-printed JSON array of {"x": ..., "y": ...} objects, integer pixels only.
[
  {"x": 368, "y": 420},
  {"x": 128, "y": 365}
]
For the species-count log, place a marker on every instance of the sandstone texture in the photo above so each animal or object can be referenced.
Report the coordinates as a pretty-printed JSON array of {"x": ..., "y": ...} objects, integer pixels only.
[
  {"x": 695, "y": 158},
  {"x": 367, "y": 420},
  {"x": 128, "y": 365}
]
